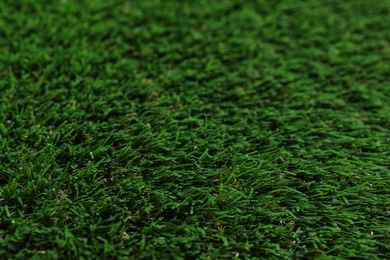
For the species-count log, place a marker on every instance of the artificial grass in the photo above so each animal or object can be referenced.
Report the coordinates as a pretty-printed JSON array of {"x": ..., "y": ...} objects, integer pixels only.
[{"x": 194, "y": 129}]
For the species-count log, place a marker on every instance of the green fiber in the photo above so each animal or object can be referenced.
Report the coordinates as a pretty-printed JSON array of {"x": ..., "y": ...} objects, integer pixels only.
[{"x": 194, "y": 129}]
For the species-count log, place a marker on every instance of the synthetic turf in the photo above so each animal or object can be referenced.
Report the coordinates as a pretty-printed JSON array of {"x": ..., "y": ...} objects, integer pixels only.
[{"x": 224, "y": 129}]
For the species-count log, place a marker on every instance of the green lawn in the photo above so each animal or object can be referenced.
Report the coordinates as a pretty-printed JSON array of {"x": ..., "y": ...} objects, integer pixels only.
[{"x": 230, "y": 129}]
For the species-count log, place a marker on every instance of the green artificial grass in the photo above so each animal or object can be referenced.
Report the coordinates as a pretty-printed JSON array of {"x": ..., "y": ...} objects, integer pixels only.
[{"x": 232, "y": 129}]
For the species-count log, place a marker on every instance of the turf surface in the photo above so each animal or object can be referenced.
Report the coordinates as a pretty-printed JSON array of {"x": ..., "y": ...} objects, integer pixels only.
[{"x": 194, "y": 129}]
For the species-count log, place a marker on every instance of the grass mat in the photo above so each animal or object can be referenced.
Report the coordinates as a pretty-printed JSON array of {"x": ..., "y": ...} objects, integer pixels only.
[{"x": 170, "y": 129}]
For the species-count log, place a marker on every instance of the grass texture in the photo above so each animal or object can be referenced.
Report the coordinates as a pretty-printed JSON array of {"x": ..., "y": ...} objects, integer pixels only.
[{"x": 232, "y": 129}]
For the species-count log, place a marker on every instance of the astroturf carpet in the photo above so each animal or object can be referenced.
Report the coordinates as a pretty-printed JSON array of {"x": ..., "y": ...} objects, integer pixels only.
[{"x": 230, "y": 129}]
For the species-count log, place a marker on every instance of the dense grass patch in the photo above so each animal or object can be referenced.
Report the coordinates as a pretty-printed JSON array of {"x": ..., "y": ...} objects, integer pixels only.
[{"x": 195, "y": 129}]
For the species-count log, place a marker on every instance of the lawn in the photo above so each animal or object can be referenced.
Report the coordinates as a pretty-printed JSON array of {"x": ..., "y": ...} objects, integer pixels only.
[{"x": 230, "y": 129}]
